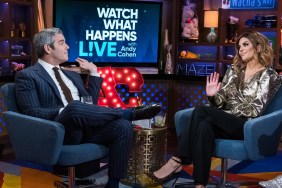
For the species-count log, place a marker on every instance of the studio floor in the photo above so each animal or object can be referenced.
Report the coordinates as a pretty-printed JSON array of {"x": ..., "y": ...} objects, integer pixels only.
[{"x": 14, "y": 174}]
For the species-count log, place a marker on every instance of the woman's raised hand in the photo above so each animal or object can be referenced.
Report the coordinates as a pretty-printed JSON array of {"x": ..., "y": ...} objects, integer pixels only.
[{"x": 213, "y": 85}]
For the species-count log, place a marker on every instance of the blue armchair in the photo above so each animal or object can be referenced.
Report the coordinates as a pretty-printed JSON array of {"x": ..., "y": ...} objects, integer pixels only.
[
  {"x": 41, "y": 141},
  {"x": 261, "y": 139}
]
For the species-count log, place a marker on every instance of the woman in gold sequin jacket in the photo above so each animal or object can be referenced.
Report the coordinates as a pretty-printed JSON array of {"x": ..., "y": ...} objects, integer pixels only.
[{"x": 245, "y": 91}]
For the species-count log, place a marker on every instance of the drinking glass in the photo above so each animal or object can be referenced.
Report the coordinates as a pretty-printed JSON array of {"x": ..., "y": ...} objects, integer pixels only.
[
  {"x": 86, "y": 99},
  {"x": 159, "y": 119}
]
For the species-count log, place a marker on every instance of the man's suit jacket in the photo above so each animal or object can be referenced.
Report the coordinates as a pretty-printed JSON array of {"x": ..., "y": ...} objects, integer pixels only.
[{"x": 37, "y": 94}]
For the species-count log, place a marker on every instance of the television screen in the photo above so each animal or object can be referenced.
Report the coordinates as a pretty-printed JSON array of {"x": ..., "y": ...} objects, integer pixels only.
[{"x": 111, "y": 33}]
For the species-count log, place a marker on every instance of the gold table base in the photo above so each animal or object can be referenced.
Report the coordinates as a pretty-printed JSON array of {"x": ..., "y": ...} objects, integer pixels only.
[{"x": 147, "y": 154}]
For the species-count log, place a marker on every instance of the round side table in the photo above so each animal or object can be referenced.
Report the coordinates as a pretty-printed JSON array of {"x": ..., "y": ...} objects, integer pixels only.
[{"x": 147, "y": 154}]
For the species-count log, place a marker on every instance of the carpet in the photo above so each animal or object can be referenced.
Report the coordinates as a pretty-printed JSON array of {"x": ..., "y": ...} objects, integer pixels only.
[
  {"x": 259, "y": 170},
  {"x": 14, "y": 174}
]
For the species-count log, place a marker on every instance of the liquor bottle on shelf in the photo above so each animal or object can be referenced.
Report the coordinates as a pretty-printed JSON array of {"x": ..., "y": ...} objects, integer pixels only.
[
  {"x": 13, "y": 30},
  {"x": 22, "y": 27},
  {"x": 1, "y": 28}
]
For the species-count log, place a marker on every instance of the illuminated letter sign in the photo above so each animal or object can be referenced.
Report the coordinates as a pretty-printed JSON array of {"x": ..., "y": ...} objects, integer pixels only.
[{"x": 119, "y": 75}]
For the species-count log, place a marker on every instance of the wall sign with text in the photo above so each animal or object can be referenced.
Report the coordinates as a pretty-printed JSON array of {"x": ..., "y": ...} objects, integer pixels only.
[
  {"x": 196, "y": 69},
  {"x": 248, "y": 4}
]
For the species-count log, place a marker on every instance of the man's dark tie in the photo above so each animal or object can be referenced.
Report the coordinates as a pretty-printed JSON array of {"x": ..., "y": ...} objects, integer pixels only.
[{"x": 64, "y": 87}]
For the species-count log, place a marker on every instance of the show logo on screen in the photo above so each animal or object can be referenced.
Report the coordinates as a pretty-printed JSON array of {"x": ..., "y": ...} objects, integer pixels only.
[
  {"x": 119, "y": 26},
  {"x": 114, "y": 33}
]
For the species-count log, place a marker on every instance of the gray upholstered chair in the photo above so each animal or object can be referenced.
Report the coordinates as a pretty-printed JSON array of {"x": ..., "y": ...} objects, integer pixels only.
[
  {"x": 261, "y": 139},
  {"x": 41, "y": 141}
]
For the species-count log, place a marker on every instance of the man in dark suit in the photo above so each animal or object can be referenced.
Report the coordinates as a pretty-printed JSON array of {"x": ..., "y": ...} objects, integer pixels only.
[{"x": 52, "y": 93}]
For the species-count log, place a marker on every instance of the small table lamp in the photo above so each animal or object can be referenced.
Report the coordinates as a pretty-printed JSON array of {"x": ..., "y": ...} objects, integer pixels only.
[{"x": 211, "y": 21}]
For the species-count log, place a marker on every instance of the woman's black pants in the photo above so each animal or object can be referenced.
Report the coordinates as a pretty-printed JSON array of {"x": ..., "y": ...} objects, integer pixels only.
[{"x": 197, "y": 143}]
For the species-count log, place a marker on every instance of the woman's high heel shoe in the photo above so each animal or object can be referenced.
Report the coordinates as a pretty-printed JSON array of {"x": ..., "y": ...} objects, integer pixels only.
[
  {"x": 173, "y": 175},
  {"x": 274, "y": 183}
]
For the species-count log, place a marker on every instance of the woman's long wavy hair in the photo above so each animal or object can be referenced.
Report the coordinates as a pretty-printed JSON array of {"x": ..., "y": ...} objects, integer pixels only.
[{"x": 264, "y": 56}]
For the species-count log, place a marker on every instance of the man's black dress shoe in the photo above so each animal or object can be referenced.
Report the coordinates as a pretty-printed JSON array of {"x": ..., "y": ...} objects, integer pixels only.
[{"x": 146, "y": 112}]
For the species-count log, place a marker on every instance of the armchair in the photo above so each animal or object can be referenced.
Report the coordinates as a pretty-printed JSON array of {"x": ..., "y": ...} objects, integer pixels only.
[
  {"x": 40, "y": 141},
  {"x": 261, "y": 139}
]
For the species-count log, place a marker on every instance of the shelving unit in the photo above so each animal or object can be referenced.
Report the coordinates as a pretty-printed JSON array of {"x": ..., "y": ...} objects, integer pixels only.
[
  {"x": 218, "y": 56},
  {"x": 17, "y": 26}
]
